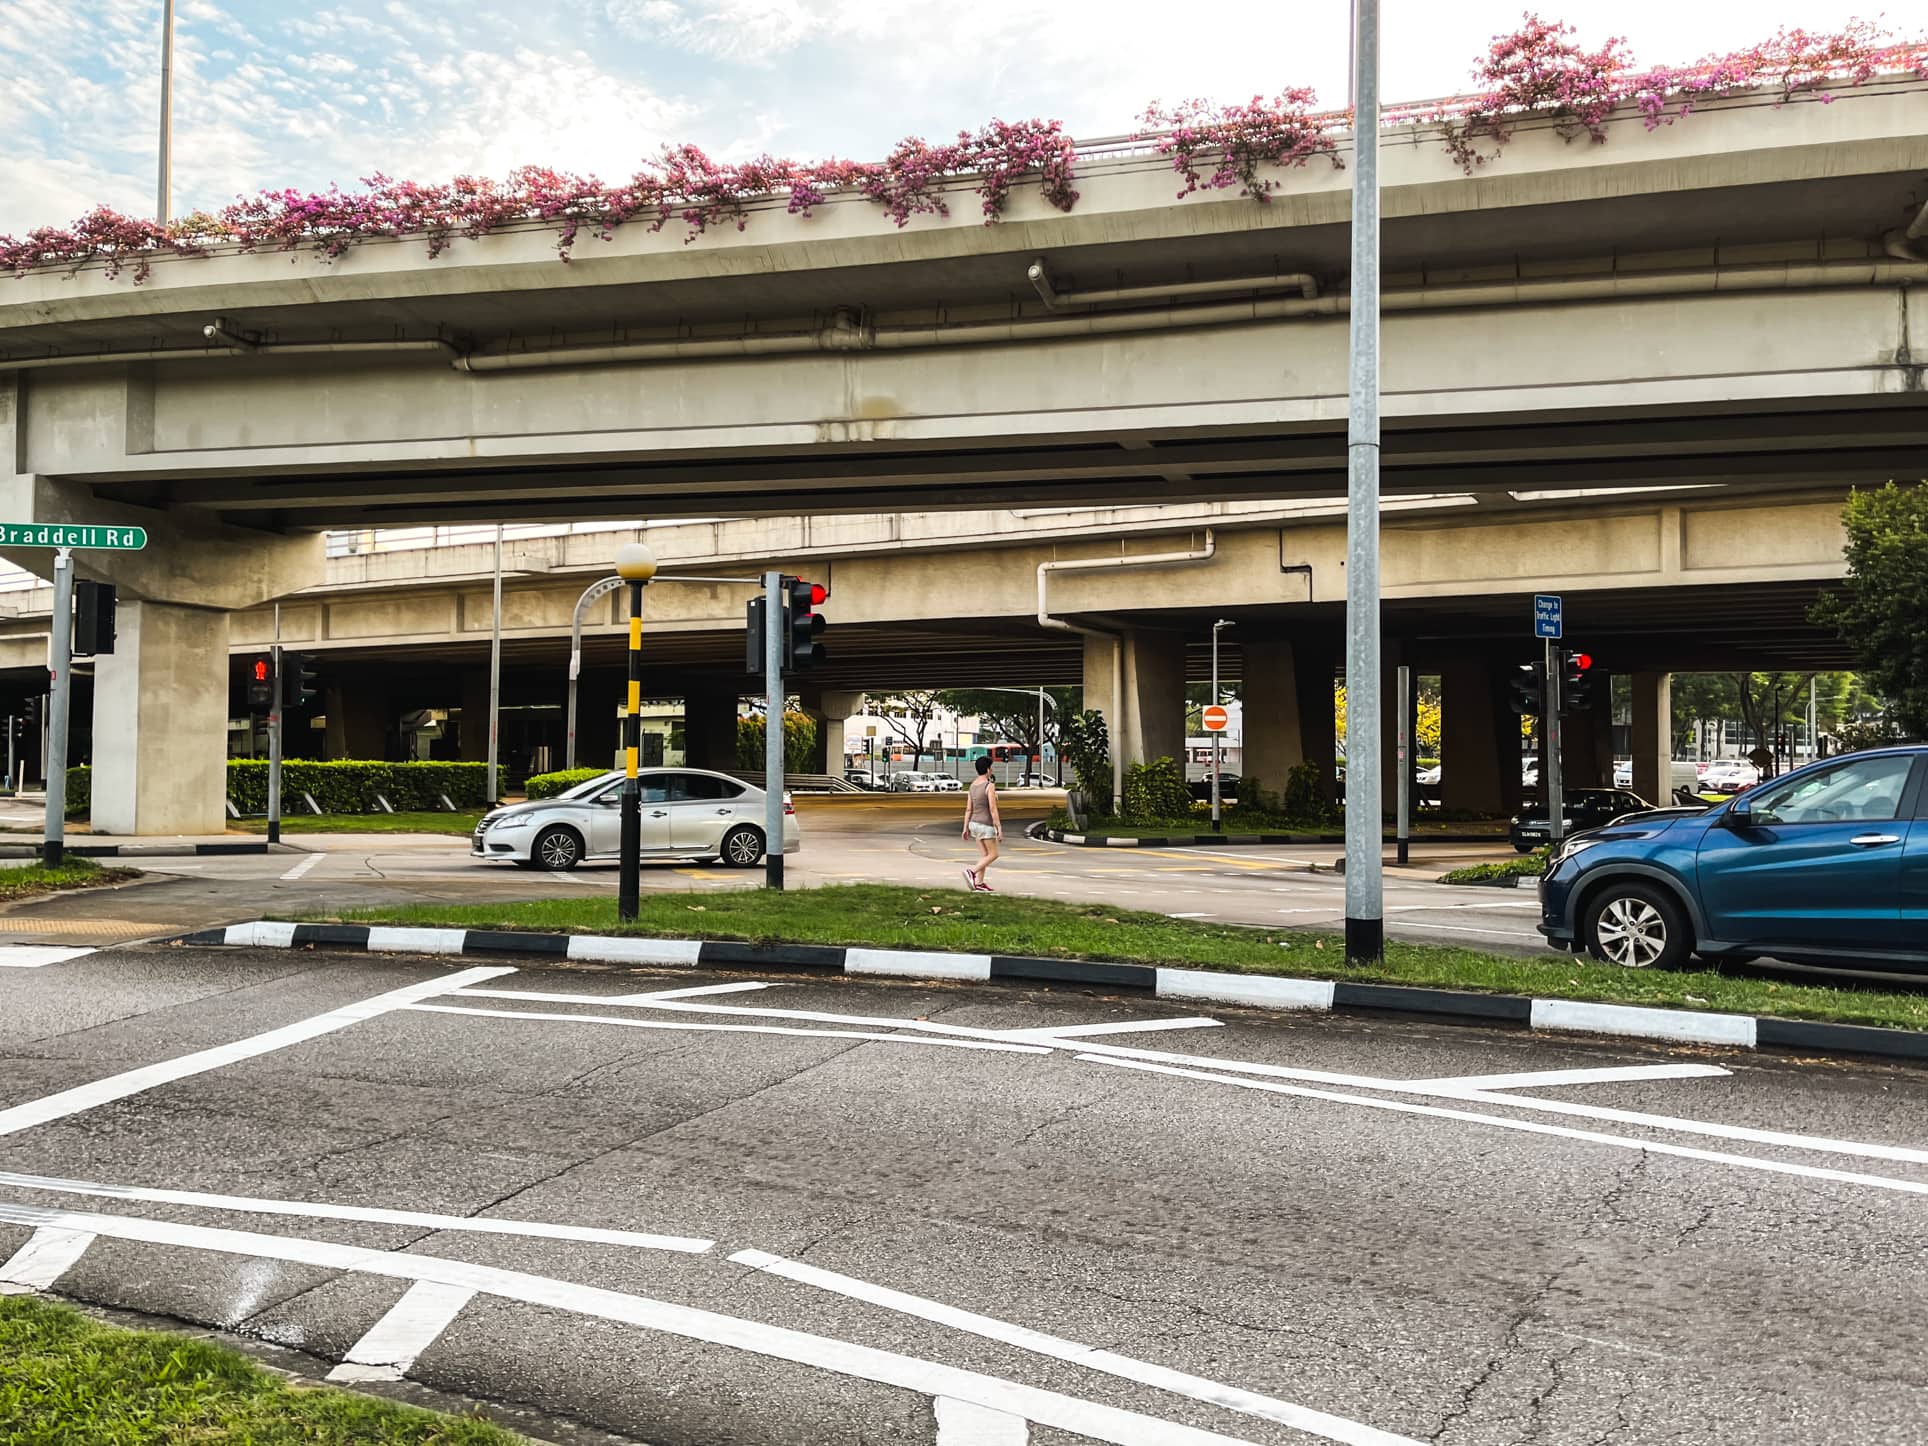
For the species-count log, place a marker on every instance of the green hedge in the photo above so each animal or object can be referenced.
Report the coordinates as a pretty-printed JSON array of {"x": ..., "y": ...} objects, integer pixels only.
[
  {"x": 80, "y": 792},
  {"x": 1156, "y": 790},
  {"x": 548, "y": 785},
  {"x": 350, "y": 785}
]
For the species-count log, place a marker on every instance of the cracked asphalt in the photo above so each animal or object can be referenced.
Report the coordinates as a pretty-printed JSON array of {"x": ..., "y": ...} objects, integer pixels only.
[{"x": 1396, "y": 1260}]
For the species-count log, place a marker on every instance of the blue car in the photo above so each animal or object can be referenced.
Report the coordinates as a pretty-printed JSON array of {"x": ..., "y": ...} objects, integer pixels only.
[{"x": 1826, "y": 865}]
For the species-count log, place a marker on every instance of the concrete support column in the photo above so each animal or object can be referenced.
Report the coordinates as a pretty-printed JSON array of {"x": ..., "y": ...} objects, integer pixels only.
[
  {"x": 1653, "y": 736},
  {"x": 1145, "y": 717},
  {"x": 161, "y": 722},
  {"x": 357, "y": 723},
  {"x": 1479, "y": 746},
  {"x": 474, "y": 738},
  {"x": 1273, "y": 740},
  {"x": 709, "y": 727},
  {"x": 1316, "y": 671},
  {"x": 830, "y": 710}
]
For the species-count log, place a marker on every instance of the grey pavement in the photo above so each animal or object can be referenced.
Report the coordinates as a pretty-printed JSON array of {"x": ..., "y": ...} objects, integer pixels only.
[{"x": 1633, "y": 1259}]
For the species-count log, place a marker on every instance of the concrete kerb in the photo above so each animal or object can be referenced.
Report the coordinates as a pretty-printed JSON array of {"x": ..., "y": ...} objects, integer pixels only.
[
  {"x": 147, "y": 851},
  {"x": 1262, "y": 991},
  {"x": 1223, "y": 840}
]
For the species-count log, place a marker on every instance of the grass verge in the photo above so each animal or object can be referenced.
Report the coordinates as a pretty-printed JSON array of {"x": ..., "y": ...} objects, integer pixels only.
[
  {"x": 1521, "y": 866},
  {"x": 72, "y": 872},
  {"x": 891, "y": 916},
  {"x": 423, "y": 821},
  {"x": 69, "y": 1379}
]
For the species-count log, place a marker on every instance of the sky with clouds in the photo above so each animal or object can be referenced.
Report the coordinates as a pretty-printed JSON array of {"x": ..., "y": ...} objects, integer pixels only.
[{"x": 273, "y": 94}]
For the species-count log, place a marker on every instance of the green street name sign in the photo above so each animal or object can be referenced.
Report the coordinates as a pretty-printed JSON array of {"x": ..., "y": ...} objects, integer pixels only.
[{"x": 110, "y": 539}]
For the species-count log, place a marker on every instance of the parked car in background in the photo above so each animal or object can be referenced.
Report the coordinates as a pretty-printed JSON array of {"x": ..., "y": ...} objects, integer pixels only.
[
  {"x": 910, "y": 782},
  {"x": 863, "y": 778},
  {"x": 1582, "y": 808},
  {"x": 1729, "y": 775},
  {"x": 1827, "y": 865},
  {"x": 1227, "y": 788},
  {"x": 1035, "y": 780},
  {"x": 687, "y": 813}
]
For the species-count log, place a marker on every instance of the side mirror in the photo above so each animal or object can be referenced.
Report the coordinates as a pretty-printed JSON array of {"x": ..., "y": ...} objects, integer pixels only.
[
  {"x": 609, "y": 800},
  {"x": 1740, "y": 812}
]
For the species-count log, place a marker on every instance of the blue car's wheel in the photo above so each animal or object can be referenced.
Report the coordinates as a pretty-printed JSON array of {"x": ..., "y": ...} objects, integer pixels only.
[{"x": 1637, "y": 927}]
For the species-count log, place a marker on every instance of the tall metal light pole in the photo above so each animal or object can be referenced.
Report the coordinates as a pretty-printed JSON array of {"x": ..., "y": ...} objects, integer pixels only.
[
  {"x": 1218, "y": 739},
  {"x": 162, "y": 203},
  {"x": 1365, "y": 902},
  {"x": 635, "y": 565}
]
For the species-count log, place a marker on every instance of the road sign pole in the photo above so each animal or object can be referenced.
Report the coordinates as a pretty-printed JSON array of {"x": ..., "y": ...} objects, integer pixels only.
[
  {"x": 1555, "y": 797},
  {"x": 60, "y": 667},
  {"x": 1365, "y": 884},
  {"x": 773, "y": 730},
  {"x": 274, "y": 735},
  {"x": 1218, "y": 738}
]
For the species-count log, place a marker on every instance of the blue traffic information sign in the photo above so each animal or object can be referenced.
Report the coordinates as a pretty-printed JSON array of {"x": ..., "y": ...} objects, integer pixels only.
[{"x": 1548, "y": 621}]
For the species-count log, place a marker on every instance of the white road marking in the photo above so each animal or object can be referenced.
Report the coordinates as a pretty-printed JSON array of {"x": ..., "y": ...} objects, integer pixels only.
[
  {"x": 388, "y": 1350},
  {"x": 303, "y": 868},
  {"x": 1538, "y": 1079},
  {"x": 959, "y": 1423},
  {"x": 927, "y": 1378},
  {"x": 674, "y": 993},
  {"x": 37, "y": 956},
  {"x": 322, "y": 1210},
  {"x": 49, "y": 1253},
  {"x": 1534, "y": 1127},
  {"x": 1181, "y": 1383},
  {"x": 135, "y": 1081},
  {"x": 1050, "y": 1032},
  {"x": 1455, "y": 1092},
  {"x": 730, "y": 1028}
]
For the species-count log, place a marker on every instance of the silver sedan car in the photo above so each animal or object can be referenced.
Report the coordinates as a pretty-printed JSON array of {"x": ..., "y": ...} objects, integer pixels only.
[{"x": 687, "y": 813}]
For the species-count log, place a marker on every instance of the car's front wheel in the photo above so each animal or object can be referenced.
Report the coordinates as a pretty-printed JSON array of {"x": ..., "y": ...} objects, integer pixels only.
[
  {"x": 1522, "y": 848},
  {"x": 743, "y": 847},
  {"x": 1637, "y": 927},
  {"x": 557, "y": 848}
]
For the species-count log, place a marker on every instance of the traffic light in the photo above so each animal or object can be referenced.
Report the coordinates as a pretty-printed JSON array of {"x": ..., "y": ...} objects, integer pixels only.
[
  {"x": 1580, "y": 683},
  {"x": 803, "y": 623},
  {"x": 304, "y": 678},
  {"x": 754, "y": 631},
  {"x": 32, "y": 723},
  {"x": 1526, "y": 690},
  {"x": 261, "y": 685},
  {"x": 93, "y": 618}
]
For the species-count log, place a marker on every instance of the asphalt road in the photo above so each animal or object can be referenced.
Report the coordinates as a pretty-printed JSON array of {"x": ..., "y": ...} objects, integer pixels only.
[
  {"x": 910, "y": 1213},
  {"x": 912, "y": 840}
]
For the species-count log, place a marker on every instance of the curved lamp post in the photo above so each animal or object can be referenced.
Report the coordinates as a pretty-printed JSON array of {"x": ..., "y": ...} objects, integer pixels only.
[{"x": 635, "y": 565}]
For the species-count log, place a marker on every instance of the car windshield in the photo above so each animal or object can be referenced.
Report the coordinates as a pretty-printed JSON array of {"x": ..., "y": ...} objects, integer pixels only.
[{"x": 594, "y": 785}]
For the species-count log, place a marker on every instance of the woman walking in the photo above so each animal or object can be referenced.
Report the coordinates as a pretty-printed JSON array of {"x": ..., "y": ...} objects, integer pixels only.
[{"x": 982, "y": 823}]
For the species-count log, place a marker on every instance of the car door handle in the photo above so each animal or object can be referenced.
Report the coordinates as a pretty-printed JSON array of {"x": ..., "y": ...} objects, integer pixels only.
[
  {"x": 1873, "y": 840},
  {"x": 722, "y": 813},
  {"x": 659, "y": 813}
]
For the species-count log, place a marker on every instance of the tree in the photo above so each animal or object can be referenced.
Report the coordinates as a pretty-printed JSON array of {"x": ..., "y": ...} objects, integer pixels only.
[
  {"x": 910, "y": 716},
  {"x": 799, "y": 742},
  {"x": 1882, "y": 609},
  {"x": 1012, "y": 713},
  {"x": 1427, "y": 722}
]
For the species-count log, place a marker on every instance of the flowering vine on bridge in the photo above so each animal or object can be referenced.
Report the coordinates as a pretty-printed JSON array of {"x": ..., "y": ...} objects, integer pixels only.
[{"x": 1537, "y": 71}]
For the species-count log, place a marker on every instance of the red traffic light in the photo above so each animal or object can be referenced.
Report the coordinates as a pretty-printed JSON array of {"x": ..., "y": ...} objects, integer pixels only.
[
  {"x": 819, "y": 594},
  {"x": 1582, "y": 661},
  {"x": 261, "y": 670}
]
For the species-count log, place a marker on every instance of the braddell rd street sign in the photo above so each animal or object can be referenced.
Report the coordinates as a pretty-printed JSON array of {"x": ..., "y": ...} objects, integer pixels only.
[{"x": 37, "y": 534}]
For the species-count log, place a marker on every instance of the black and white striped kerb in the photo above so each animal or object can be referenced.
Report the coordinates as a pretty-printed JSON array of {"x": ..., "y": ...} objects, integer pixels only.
[
  {"x": 1221, "y": 840},
  {"x": 136, "y": 851},
  {"x": 1258, "y": 991}
]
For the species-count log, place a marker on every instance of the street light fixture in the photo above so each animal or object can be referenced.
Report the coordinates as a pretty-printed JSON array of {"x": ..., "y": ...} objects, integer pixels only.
[{"x": 635, "y": 565}]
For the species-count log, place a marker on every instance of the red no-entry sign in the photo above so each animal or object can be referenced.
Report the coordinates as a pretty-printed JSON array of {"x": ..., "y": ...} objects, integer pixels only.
[{"x": 1217, "y": 720}]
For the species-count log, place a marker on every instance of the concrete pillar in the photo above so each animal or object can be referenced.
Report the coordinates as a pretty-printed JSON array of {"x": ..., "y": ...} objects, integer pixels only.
[
  {"x": 160, "y": 722},
  {"x": 1479, "y": 746},
  {"x": 709, "y": 727},
  {"x": 830, "y": 709},
  {"x": 1149, "y": 669},
  {"x": 1653, "y": 736},
  {"x": 1316, "y": 670},
  {"x": 357, "y": 722},
  {"x": 1273, "y": 740},
  {"x": 474, "y": 738}
]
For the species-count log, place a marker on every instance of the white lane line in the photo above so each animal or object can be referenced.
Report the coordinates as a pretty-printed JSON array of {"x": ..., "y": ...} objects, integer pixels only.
[
  {"x": 1536, "y": 1079},
  {"x": 1181, "y": 1383},
  {"x": 673, "y": 993},
  {"x": 997, "y": 1046},
  {"x": 305, "y": 867},
  {"x": 959, "y": 1423},
  {"x": 1532, "y": 1127},
  {"x": 1274, "y": 1071},
  {"x": 134, "y": 1081},
  {"x": 844, "y": 1358},
  {"x": 48, "y": 1254},
  {"x": 323, "y": 1210},
  {"x": 1050, "y": 1032},
  {"x": 1188, "y": 916},
  {"x": 388, "y": 1350},
  {"x": 37, "y": 956}
]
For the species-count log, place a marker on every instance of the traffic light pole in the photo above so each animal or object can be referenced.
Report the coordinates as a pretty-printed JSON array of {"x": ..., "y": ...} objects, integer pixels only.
[
  {"x": 1408, "y": 743},
  {"x": 1555, "y": 795},
  {"x": 630, "y": 885},
  {"x": 60, "y": 667},
  {"x": 274, "y": 735},
  {"x": 773, "y": 626}
]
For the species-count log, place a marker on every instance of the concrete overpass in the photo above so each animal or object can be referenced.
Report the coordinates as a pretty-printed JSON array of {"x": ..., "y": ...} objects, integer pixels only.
[
  {"x": 1727, "y": 300},
  {"x": 1655, "y": 582}
]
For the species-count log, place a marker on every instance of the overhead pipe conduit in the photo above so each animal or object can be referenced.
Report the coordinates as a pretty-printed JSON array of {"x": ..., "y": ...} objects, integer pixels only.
[
  {"x": 1903, "y": 266},
  {"x": 1096, "y": 564}
]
